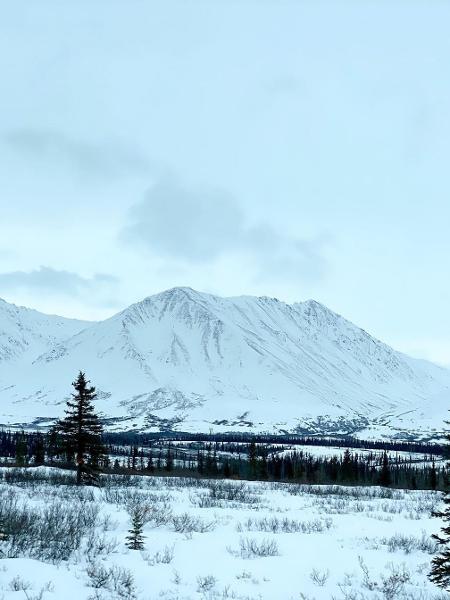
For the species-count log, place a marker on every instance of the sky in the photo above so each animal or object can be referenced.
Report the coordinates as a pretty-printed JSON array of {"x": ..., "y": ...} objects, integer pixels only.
[{"x": 288, "y": 149}]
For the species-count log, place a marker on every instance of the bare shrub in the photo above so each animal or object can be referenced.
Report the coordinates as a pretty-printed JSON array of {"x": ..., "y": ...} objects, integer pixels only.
[
  {"x": 98, "y": 546},
  {"x": 119, "y": 582},
  {"x": 186, "y": 523},
  {"x": 164, "y": 556},
  {"x": 275, "y": 525},
  {"x": 319, "y": 577},
  {"x": 393, "y": 584},
  {"x": 206, "y": 584},
  {"x": 232, "y": 492},
  {"x": 252, "y": 548},
  {"x": 17, "y": 584},
  {"x": 410, "y": 543},
  {"x": 52, "y": 532},
  {"x": 99, "y": 575}
]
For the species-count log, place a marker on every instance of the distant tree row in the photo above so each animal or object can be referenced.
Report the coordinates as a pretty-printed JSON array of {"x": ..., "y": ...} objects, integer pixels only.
[
  {"x": 254, "y": 462},
  {"x": 233, "y": 441}
]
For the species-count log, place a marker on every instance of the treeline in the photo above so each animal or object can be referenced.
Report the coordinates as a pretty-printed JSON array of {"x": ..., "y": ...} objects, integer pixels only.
[
  {"x": 31, "y": 443},
  {"x": 249, "y": 461},
  {"x": 147, "y": 439},
  {"x": 302, "y": 467}
]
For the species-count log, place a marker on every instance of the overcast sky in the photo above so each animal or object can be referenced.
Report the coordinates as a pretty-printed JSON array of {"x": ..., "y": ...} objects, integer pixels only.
[{"x": 289, "y": 149}]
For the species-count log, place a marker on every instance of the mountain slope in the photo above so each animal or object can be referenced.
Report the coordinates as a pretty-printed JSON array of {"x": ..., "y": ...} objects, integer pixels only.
[
  {"x": 196, "y": 361},
  {"x": 28, "y": 332}
]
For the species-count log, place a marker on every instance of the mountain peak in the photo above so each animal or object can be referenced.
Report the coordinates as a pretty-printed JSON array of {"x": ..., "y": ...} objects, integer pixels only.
[{"x": 175, "y": 293}]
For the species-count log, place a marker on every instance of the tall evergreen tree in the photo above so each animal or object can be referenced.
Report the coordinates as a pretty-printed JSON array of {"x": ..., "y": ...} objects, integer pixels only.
[
  {"x": 21, "y": 450},
  {"x": 253, "y": 458},
  {"x": 347, "y": 465},
  {"x": 385, "y": 473},
  {"x": 440, "y": 565},
  {"x": 169, "y": 460},
  {"x": 135, "y": 539},
  {"x": 433, "y": 476},
  {"x": 39, "y": 450},
  {"x": 81, "y": 431}
]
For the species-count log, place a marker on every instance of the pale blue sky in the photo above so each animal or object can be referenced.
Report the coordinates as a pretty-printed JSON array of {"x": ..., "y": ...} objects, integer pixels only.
[{"x": 290, "y": 149}]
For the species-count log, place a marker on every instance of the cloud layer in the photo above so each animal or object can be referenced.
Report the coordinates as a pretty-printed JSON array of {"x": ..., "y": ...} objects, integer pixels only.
[
  {"x": 53, "y": 281},
  {"x": 102, "y": 160},
  {"x": 196, "y": 225}
]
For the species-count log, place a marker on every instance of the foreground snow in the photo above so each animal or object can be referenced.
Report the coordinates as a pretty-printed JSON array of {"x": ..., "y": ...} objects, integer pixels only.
[{"x": 222, "y": 539}]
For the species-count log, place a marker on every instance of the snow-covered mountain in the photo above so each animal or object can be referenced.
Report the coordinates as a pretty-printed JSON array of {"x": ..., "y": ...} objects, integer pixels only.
[
  {"x": 28, "y": 333},
  {"x": 194, "y": 361}
]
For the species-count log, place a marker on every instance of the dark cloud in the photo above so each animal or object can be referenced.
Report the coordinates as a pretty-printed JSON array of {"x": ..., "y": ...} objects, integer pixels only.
[
  {"x": 182, "y": 223},
  {"x": 82, "y": 158},
  {"x": 198, "y": 225},
  {"x": 48, "y": 280},
  {"x": 284, "y": 257}
]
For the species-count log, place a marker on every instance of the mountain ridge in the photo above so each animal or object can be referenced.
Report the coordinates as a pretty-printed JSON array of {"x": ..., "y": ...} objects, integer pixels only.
[{"x": 194, "y": 361}]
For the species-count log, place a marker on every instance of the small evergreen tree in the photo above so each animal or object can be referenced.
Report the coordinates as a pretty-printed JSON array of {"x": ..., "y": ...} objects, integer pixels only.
[
  {"x": 200, "y": 462},
  {"x": 53, "y": 445},
  {"x": 135, "y": 539},
  {"x": 385, "y": 473},
  {"x": 253, "y": 458},
  {"x": 21, "y": 450},
  {"x": 433, "y": 476},
  {"x": 39, "y": 450},
  {"x": 346, "y": 467},
  {"x": 440, "y": 565},
  {"x": 169, "y": 460},
  {"x": 81, "y": 431}
]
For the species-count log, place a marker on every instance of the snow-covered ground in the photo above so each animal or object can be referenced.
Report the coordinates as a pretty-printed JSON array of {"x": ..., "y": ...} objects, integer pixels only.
[{"x": 223, "y": 539}]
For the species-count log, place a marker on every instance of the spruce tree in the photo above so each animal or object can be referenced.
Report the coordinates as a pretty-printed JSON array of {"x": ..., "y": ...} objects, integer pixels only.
[
  {"x": 135, "y": 539},
  {"x": 433, "y": 476},
  {"x": 346, "y": 465},
  {"x": 81, "y": 431},
  {"x": 169, "y": 460},
  {"x": 21, "y": 450},
  {"x": 440, "y": 565},
  {"x": 39, "y": 450},
  {"x": 385, "y": 473},
  {"x": 253, "y": 459}
]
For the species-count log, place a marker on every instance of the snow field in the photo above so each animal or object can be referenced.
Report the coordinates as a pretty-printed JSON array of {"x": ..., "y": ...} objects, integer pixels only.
[{"x": 216, "y": 539}]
